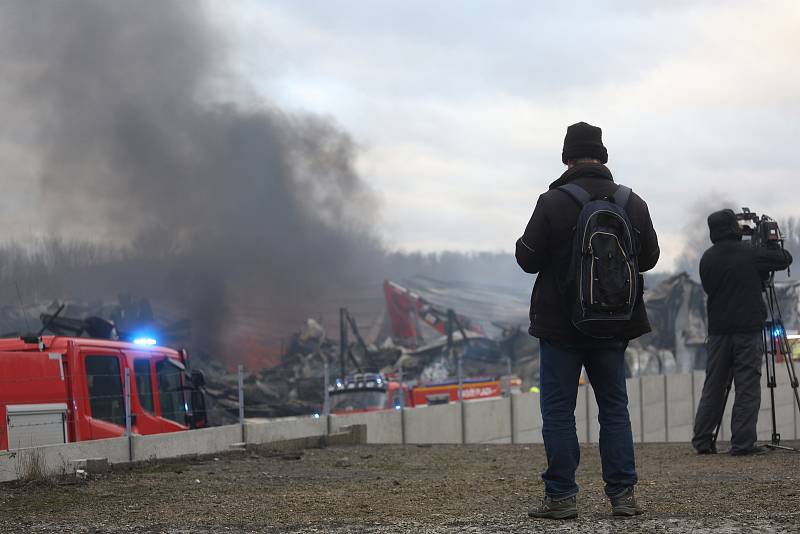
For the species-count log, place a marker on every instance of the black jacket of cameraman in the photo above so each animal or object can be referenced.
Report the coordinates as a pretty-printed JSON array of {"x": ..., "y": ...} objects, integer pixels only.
[
  {"x": 546, "y": 248},
  {"x": 732, "y": 272}
]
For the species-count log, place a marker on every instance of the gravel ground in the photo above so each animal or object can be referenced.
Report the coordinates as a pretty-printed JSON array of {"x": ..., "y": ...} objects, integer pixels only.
[{"x": 420, "y": 489}]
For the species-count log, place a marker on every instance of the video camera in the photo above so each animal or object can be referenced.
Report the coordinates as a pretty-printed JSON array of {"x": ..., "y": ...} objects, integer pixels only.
[{"x": 763, "y": 231}]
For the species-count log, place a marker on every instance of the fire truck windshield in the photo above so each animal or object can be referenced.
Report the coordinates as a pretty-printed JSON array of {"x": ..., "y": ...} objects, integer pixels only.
[{"x": 357, "y": 399}]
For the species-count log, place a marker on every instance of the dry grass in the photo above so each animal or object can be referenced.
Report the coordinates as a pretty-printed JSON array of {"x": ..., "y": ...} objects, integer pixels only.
[{"x": 32, "y": 467}]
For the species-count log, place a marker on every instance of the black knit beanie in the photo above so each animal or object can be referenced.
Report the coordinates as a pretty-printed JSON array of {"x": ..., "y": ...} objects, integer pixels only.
[{"x": 584, "y": 141}]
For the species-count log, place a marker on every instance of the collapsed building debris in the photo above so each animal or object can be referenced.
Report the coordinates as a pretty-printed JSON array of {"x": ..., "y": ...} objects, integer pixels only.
[
  {"x": 294, "y": 385},
  {"x": 677, "y": 311}
]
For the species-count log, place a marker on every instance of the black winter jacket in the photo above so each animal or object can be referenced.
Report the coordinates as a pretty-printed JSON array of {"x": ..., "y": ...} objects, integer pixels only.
[
  {"x": 546, "y": 248},
  {"x": 732, "y": 271}
]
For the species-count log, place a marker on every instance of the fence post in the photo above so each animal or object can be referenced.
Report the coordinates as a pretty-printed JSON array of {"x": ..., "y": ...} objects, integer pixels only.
[
  {"x": 128, "y": 413},
  {"x": 666, "y": 408},
  {"x": 241, "y": 399},
  {"x": 461, "y": 400},
  {"x": 402, "y": 394},
  {"x": 326, "y": 398},
  {"x": 127, "y": 402},
  {"x": 641, "y": 410},
  {"x": 510, "y": 400}
]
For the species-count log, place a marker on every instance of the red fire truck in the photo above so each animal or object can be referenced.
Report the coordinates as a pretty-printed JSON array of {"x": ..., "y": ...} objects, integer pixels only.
[
  {"x": 56, "y": 389},
  {"x": 372, "y": 392}
]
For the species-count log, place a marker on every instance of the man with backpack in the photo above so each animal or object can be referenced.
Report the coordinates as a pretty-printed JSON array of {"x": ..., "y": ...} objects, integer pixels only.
[{"x": 588, "y": 239}]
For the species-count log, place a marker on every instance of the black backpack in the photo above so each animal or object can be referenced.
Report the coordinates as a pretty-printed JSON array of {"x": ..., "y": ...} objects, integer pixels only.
[{"x": 603, "y": 278}]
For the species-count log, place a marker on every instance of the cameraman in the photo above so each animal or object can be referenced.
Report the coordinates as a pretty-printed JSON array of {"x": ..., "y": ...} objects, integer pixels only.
[{"x": 732, "y": 273}]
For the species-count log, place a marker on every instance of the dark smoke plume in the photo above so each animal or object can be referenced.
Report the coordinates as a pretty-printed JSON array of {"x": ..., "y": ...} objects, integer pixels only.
[{"x": 114, "y": 109}]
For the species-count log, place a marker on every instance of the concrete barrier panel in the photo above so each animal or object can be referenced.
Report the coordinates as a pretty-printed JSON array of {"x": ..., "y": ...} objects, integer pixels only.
[
  {"x": 527, "y": 418},
  {"x": 174, "y": 444},
  {"x": 382, "y": 427},
  {"x": 725, "y": 427},
  {"x": 433, "y": 424},
  {"x": 488, "y": 420},
  {"x": 582, "y": 414},
  {"x": 698, "y": 379},
  {"x": 653, "y": 409},
  {"x": 785, "y": 409},
  {"x": 632, "y": 386},
  {"x": 284, "y": 428},
  {"x": 58, "y": 459},
  {"x": 680, "y": 413},
  {"x": 634, "y": 407},
  {"x": 593, "y": 413}
]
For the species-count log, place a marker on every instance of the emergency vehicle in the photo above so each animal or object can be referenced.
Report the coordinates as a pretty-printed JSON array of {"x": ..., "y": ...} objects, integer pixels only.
[
  {"x": 372, "y": 392},
  {"x": 60, "y": 389}
]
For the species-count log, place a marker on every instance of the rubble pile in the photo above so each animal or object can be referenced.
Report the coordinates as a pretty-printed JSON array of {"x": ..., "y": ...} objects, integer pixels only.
[
  {"x": 677, "y": 311},
  {"x": 293, "y": 387}
]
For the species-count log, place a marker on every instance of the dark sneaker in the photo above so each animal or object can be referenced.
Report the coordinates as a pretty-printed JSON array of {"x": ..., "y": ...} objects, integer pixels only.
[
  {"x": 624, "y": 504},
  {"x": 550, "y": 509},
  {"x": 758, "y": 449}
]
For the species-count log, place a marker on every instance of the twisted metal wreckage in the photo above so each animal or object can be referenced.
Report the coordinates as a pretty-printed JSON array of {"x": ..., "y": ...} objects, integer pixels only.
[{"x": 419, "y": 336}]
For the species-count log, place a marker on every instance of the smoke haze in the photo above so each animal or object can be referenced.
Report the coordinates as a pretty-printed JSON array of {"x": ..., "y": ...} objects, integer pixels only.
[
  {"x": 113, "y": 135},
  {"x": 696, "y": 233}
]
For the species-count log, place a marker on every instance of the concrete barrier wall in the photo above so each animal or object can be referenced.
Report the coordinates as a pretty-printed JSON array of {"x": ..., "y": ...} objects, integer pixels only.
[
  {"x": 58, "y": 459},
  {"x": 661, "y": 408},
  {"x": 488, "y": 421},
  {"x": 582, "y": 414},
  {"x": 785, "y": 407},
  {"x": 283, "y": 428},
  {"x": 680, "y": 407},
  {"x": 527, "y": 418},
  {"x": 698, "y": 379},
  {"x": 433, "y": 424},
  {"x": 654, "y": 423},
  {"x": 175, "y": 444},
  {"x": 382, "y": 427},
  {"x": 635, "y": 407}
]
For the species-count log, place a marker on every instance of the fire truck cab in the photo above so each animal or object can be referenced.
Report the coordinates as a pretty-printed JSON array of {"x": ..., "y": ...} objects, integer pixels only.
[
  {"x": 66, "y": 389},
  {"x": 366, "y": 392}
]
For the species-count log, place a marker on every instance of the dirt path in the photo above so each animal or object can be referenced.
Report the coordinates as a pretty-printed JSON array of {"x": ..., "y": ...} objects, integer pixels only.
[{"x": 409, "y": 489}]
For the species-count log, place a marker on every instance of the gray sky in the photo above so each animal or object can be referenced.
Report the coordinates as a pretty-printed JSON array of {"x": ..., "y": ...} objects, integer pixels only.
[{"x": 460, "y": 108}]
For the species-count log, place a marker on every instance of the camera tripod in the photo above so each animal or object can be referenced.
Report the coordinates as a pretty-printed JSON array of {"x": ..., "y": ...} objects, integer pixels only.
[{"x": 774, "y": 342}]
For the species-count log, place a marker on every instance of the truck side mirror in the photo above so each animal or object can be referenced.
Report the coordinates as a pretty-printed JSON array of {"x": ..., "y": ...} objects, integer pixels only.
[
  {"x": 199, "y": 415},
  {"x": 198, "y": 379}
]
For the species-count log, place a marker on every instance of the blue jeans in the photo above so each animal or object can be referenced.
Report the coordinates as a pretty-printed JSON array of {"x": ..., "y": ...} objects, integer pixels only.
[{"x": 560, "y": 369}]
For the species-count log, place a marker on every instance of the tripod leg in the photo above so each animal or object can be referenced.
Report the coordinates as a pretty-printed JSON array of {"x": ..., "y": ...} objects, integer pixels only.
[
  {"x": 722, "y": 412},
  {"x": 770, "y": 348},
  {"x": 780, "y": 342},
  {"x": 790, "y": 370}
]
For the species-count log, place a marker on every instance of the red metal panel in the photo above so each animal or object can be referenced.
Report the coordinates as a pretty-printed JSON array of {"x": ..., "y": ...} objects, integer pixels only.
[{"x": 29, "y": 378}]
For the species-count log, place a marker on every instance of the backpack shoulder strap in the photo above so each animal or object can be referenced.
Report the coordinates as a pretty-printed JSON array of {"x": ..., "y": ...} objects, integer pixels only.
[
  {"x": 622, "y": 195},
  {"x": 579, "y": 194}
]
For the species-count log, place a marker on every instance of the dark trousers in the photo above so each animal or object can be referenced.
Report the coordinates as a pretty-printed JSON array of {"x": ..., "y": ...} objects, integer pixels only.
[
  {"x": 739, "y": 356},
  {"x": 560, "y": 369}
]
